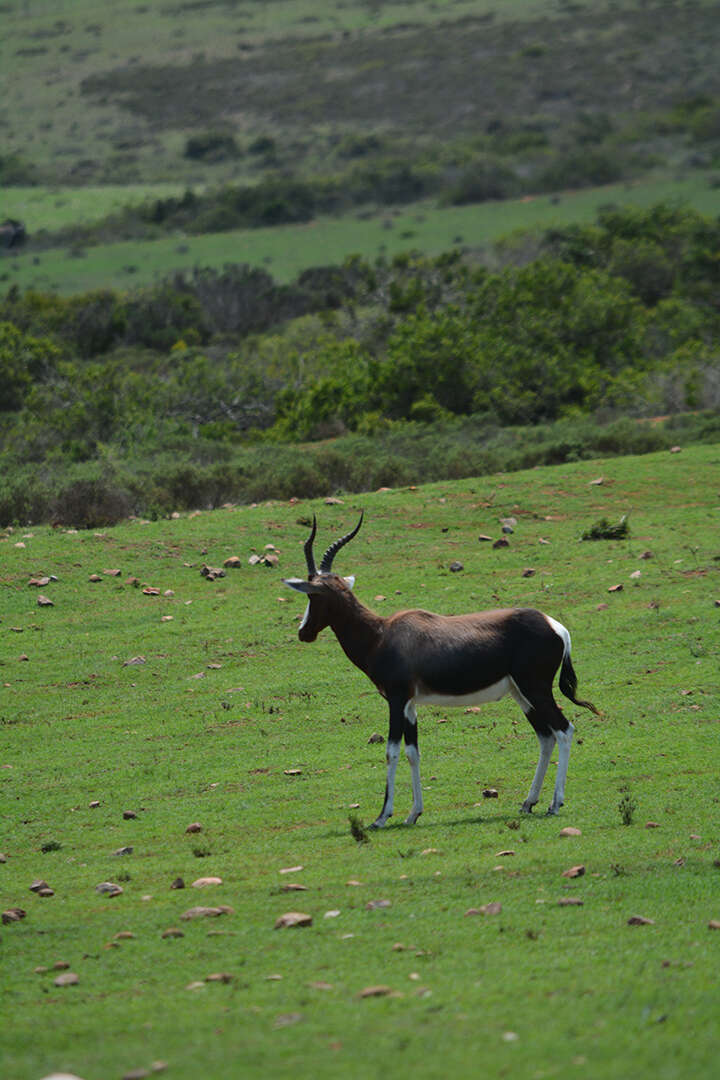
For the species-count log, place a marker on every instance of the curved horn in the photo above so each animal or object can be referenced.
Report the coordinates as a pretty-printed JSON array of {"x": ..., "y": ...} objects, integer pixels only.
[
  {"x": 332, "y": 551},
  {"x": 308, "y": 547}
]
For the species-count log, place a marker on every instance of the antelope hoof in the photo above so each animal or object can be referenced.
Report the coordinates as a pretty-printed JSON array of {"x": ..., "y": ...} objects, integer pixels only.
[
  {"x": 527, "y": 807},
  {"x": 553, "y": 809},
  {"x": 378, "y": 823},
  {"x": 412, "y": 817}
]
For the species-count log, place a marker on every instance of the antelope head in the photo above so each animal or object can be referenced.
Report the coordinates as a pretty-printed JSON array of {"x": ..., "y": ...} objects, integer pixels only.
[{"x": 324, "y": 589}]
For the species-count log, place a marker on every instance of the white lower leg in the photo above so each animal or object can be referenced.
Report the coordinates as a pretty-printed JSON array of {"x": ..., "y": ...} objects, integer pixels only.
[
  {"x": 392, "y": 754},
  {"x": 547, "y": 742},
  {"x": 413, "y": 756},
  {"x": 564, "y": 740}
]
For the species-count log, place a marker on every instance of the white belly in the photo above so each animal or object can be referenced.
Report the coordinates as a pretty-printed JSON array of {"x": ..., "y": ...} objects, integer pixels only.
[{"x": 478, "y": 697}]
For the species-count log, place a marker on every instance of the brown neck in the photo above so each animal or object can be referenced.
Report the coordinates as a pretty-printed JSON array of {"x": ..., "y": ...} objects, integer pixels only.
[{"x": 358, "y": 630}]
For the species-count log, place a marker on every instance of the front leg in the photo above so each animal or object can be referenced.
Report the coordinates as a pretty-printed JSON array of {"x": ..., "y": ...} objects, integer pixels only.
[{"x": 392, "y": 754}]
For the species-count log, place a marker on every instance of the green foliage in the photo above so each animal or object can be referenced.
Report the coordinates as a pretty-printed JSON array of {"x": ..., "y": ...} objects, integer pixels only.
[
  {"x": 605, "y": 530},
  {"x": 24, "y": 359}
]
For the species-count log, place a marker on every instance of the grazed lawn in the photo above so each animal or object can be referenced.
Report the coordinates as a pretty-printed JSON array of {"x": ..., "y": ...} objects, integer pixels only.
[{"x": 232, "y": 723}]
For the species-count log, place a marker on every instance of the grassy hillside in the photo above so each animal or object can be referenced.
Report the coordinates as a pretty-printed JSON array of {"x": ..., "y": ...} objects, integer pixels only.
[
  {"x": 289, "y": 249},
  {"x": 196, "y": 704}
]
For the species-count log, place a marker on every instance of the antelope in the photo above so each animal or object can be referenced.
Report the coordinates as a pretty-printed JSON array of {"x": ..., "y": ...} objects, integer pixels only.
[{"x": 419, "y": 658}]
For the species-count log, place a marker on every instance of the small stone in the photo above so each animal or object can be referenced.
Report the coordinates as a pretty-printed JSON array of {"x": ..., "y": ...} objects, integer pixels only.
[
  {"x": 44, "y": 601},
  {"x": 377, "y": 905},
  {"x": 615, "y": 588},
  {"x": 490, "y": 793},
  {"x": 94, "y": 578},
  {"x": 124, "y": 935},
  {"x": 14, "y": 914},
  {"x": 38, "y": 884},
  {"x": 94, "y": 804},
  {"x": 203, "y": 882},
  {"x": 501, "y": 854},
  {"x": 219, "y": 977},
  {"x": 714, "y": 924},
  {"x": 194, "y": 827},
  {"x": 376, "y": 737},
  {"x": 501, "y": 543},
  {"x": 129, "y": 815},
  {"x": 570, "y": 901},
  {"x": 178, "y": 883},
  {"x": 375, "y": 991},
  {"x": 493, "y": 908},
  {"x": 108, "y": 888},
  {"x": 293, "y": 918},
  {"x": 46, "y": 891},
  {"x": 207, "y": 912},
  {"x": 528, "y": 572},
  {"x": 456, "y": 567},
  {"x": 652, "y": 824},
  {"x": 123, "y": 851},
  {"x": 294, "y": 886},
  {"x": 233, "y": 562},
  {"x": 292, "y": 772},
  {"x": 61, "y": 965},
  {"x": 570, "y": 830},
  {"x": 640, "y": 920},
  {"x": 172, "y": 932},
  {"x": 136, "y": 1074},
  {"x": 68, "y": 978},
  {"x": 150, "y": 590},
  {"x": 574, "y": 872},
  {"x": 135, "y": 661}
]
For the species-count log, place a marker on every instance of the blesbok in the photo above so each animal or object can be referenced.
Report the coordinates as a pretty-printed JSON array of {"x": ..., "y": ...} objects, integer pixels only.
[{"x": 418, "y": 658}]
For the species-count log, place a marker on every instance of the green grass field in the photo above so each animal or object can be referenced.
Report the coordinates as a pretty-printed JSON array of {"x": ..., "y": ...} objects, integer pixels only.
[
  {"x": 287, "y": 250},
  {"x": 231, "y": 723}
]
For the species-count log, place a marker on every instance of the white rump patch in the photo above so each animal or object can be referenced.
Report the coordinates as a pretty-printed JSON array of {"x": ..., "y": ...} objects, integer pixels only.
[
  {"x": 479, "y": 697},
  {"x": 562, "y": 632}
]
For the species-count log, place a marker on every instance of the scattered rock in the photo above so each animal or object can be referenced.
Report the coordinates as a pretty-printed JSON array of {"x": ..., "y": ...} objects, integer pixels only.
[
  {"x": 202, "y": 882},
  {"x": 46, "y": 891},
  {"x": 375, "y": 905},
  {"x": 615, "y": 588},
  {"x": 178, "y": 883},
  {"x": 44, "y": 601},
  {"x": 376, "y": 737},
  {"x": 39, "y": 582},
  {"x": 291, "y": 869},
  {"x": 129, "y": 815},
  {"x": 714, "y": 924},
  {"x": 38, "y": 884},
  {"x": 493, "y": 908},
  {"x": 219, "y": 977},
  {"x": 124, "y": 935},
  {"x": 570, "y": 830},
  {"x": 150, "y": 590},
  {"x": 293, "y": 918},
  {"x": 676, "y": 449},
  {"x": 94, "y": 578},
  {"x": 483, "y": 538},
  {"x": 288, "y": 1019},
  {"x": 500, "y": 854},
  {"x": 135, "y": 661},
  {"x": 640, "y": 920},
  {"x": 294, "y": 886},
  {"x": 233, "y": 562},
  {"x": 68, "y": 978},
  {"x": 490, "y": 793},
  {"x": 647, "y": 555},
  {"x": 501, "y": 543},
  {"x": 570, "y": 901},
  {"x": 211, "y": 573},
  {"x": 94, "y": 804},
  {"x": 375, "y": 991},
  {"x": 456, "y": 567},
  {"x": 574, "y": 872},
  {"x": 652, "y": 824},
  {"x": 13, "y": 914},
  {"x": 292, "y": 772},
  {"x": 108, "y": 888},
  {"x": 206, "y": 912},
  {"x": 528, "y": 572},
  {"x": 123, "y": 851},
  {"x": 172, "y": 932}
]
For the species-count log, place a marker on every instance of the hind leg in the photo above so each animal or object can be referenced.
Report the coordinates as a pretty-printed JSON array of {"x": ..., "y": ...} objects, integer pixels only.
[
  {"x": 550, "y": 726},
  {"x": 547, "y": 743}
]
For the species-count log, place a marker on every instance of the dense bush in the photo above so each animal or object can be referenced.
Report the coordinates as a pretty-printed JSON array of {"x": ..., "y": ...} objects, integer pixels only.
[{"x": 619, "y": 318}]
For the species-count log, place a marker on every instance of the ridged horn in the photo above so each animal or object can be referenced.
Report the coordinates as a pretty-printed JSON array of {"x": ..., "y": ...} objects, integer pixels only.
[
  {"x": 309, "y": 557},
  {"x": 332, "y": 551}
]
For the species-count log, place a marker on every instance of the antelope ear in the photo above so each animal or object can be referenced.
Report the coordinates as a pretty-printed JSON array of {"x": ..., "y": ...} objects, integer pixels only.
[
  {"x": 303, "y": 586},
  {"x": 350, "y": 581}
]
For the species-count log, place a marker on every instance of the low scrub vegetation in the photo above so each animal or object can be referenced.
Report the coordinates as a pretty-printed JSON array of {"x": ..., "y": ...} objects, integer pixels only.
[{"x": 617, "y": 319}]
